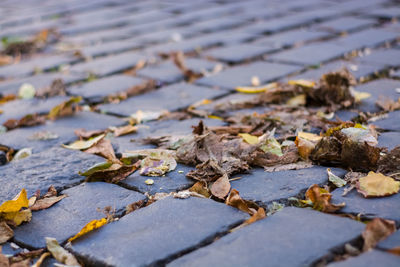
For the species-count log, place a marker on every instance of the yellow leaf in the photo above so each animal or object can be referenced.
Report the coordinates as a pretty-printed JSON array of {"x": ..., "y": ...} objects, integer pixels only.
[
  {"x": 299, "y": 100},
  {"x": 60, "y": 254},
  {"x": 248, "y": 138},
  {"x": 215, "y": 117},
  {"x": 18, "y": 217},
  {"x": 359, "y": 96},
  {"x": 82, "y": 145},
  {"x": 95, "y": 224},
  {"x": 14, "y": 205},
  {"x": 302, "y": 83},
  {"x": 377, "y": 185},
  {"x": 309, "y": 136},
  {"x": 256, "y": 90}
]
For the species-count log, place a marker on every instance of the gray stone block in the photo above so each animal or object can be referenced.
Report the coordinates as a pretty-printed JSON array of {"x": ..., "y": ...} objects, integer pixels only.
[
  {"x": 66, "y": 218},
  {"x": 305, "y": 235},
  {"x": 158, "y": 232},
  {"x": 265, "y": 187}
]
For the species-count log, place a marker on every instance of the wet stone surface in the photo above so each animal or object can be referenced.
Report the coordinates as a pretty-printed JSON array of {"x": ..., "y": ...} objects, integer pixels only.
[
  {"x": 162, "y": 230},
  {"x": 56, "y": 166},
  {"x": 247, "y": 246},
  {"x": 64, "y": 219}
]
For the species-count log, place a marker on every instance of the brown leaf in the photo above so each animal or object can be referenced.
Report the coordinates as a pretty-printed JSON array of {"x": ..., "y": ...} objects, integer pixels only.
[
  {"x": 359, "y": 156},
  {"x": 179, "y": 60},
  {"x": 66, "y": 108},
  {"x": 4, "y": 262},
  {"x": 388, "y": 104},
  {"x": 104, "y": 149},
  {"x": 236, "y": 201},
  {"x": 377, "y": 230},
  {"x": 6, "y": 233},
  {"x": 134, "y": 206},
  {"x": 46, "y": 202},
  {"x": 56, "y": 88},
  {"x": 292, "y": 166},
  {"x": 259, "y": 215},
  {"x": 85, "y": 134},
  {"x": 123, "y": 130},
  {"x": 201, "y": 188},
  {"x": 220, "y": 188},
  {"x": 321, "y": 199},
  {"x": 26, "y": 121},
  {"x": 9, "y": 152},
  {"x": 390, "y": 162},
  {"x": 20, "y": 48},
  {"x": 113, "y": 173}
]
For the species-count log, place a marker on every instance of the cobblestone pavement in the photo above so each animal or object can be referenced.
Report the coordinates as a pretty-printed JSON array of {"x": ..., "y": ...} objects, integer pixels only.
[{"x": 102, "y": 49}]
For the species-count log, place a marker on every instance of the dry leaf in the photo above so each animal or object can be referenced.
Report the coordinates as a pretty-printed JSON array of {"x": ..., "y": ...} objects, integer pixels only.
[
  {"x": 220, "y": 188},
  {"x": 236, "y": 201},
  {"x": 39, "y": 262},
  {"x": 46, "y": 202},
  {"x": 377, "y": 230},
  {"x": 248, "y": 138},
  {"x": 256, "y": 90},
  {"x": 104, "y": 149},
  {"x": 302, "y": 83},
  {"x": 108, "y": 172},
  {"x": 201, "y": 188},
  {"x": 123, "y": 130},
  {"x": 149, "y": 182},
  {"x": 321, "y": 198},
  {"x": 259, "y": 215},
  {"x": 60, "y": 254},
  {"x": 16, "y": 204},
  {"x": 26, "y": 121},
  {"x": 66, "y": 108},
  {"x": 377, "y": 185},
  {"x": 6, "y": 233},
  {"x": 84, "y": 134},
  {"x": 82, "y": 145},
  {"x": 336, "y": 180},
  {"x": 95, "y": 224}
]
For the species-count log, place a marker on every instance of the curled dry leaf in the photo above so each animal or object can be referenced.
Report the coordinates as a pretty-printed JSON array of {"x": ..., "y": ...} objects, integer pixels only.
[
  {"x": 9, "y": 153},
  {"x": 158, "y": 163},
  {"x": 84, "y": 134},
  {"x": 377, "y": 230},
  {"x": 377, "y": 185},
  {"x": 26, "y": 121},
  {"x": 108, "y": 172},
  {"x": 124, "y": 130},
  {"x": 82, "y": 145},
  {"x": 236, "y": 201},
  {"x": 66, "y": 108},
  {"x": 104, "y": 149},
  {"x": 321, "y": 198},
  {"x": 201, "y": 188},
  {"x": 60, "y": 254},
  {"x": 92, "y": 225},
  {"x": 256, "y": 89},
  {"x": 336, "y": 180},
  {"x": 48, "y": 200},
  {"x": 306, "y": 142}
]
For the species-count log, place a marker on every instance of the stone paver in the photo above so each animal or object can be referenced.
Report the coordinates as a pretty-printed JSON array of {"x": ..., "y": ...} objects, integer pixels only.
[
  {"x": 265, "y": 187},
  {"x": 168, "y": 72},
  {"x": 56, "y": 166},
  {"x": 64, "y": 128},
  {"x": 97, "y": 90},
  {"x": 390, "y": 242},
  {"x": 241, "y": 75},
  {"x": 13, "y": 110},
  {"x": 67, "y": 217},
  {"x": 371, "y": 258},
  {"x": 174, "y": 97},
  {"x": 158, "y": 232},
  {"x": 102, "y": 48},
  {"x": 377, "y": 88},
  {"x": 391, "y": 122},
  {"x": 261, "y": 243},
  {"x": 369, "y": 208}
]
